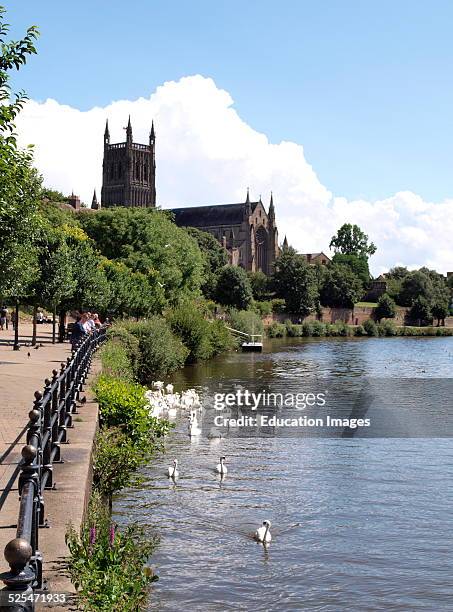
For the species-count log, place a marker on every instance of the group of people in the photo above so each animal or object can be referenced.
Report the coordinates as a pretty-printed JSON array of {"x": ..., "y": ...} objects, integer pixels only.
[{"x": 86, "y": 323}]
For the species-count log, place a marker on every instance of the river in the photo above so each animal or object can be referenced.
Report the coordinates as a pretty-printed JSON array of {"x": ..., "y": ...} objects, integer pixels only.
[{"x": 358, "y": 523}]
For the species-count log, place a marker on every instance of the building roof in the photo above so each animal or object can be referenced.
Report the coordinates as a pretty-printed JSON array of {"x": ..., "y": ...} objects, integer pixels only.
[{"x": 208, "y": 216}]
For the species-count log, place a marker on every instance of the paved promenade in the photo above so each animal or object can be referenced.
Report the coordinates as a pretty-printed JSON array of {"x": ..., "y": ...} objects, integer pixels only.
[{"x": 20, "y": 376}]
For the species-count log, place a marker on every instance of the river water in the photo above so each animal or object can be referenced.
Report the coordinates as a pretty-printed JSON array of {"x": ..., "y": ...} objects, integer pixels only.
[{"x": 358, "y": 523}]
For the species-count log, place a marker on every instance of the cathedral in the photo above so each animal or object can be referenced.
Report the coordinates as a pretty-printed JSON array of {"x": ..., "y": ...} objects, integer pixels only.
[{"x": 246, "y": 230}]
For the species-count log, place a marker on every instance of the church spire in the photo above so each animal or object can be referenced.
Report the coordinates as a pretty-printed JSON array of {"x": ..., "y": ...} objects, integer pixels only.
[
  {"x": 285, "y": 243},
  {"x": 247, "y": 199},
  {"x": 248, "y": 206},
  {"x": 94, "y": 202},
  {"x": 106, "y": 133},
  {"x": 129, "y": 131},
  {"x": 152, "y": 134},
  {"x": 271, "y": 213}
]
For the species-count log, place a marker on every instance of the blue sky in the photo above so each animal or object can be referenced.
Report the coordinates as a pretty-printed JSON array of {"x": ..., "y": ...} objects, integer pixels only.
[{"x": 365, "y": 87}]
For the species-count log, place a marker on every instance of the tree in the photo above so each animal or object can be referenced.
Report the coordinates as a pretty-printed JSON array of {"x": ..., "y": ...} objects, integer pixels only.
[
  {"x": 415, "y": 284},
  {"x": 357, "y": 263},
  {"x": 260, "y": 285},
  {"x": 19, "y": 182},
  {"x": 295, "y": 281},
  {"x": 215, "y": 257},
  {"x": 350, "y": 240},
  {"x": 420, "y": 310},
  {"x": 342, "y": 288},
  {"x": 386, "y": 307},
  {"x": 440, "y": 310},
  {"x": 233, "y": 288},
  {"x": 147, "y": 241}
]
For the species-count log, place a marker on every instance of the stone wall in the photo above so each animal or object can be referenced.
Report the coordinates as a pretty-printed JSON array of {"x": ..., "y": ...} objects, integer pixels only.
[{"x": 356, "y": 316}]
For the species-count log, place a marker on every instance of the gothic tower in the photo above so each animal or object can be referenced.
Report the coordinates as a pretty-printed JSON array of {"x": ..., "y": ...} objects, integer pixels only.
[{"x": 129, "y": 171}]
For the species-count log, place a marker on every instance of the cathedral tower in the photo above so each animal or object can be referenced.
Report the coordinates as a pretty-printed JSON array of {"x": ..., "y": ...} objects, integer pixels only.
[{"x": 129, "y": 171}]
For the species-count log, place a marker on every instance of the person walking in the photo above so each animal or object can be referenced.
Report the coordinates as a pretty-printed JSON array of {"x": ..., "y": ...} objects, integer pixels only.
[{"x": 3, "y": 318}]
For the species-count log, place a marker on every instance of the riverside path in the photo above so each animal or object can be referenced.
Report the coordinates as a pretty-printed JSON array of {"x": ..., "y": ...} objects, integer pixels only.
[{"x": 21, "y": 374}]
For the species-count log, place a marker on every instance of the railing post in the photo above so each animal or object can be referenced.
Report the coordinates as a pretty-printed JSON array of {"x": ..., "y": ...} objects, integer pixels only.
[
  {"x": 62, "y": 405},
  {"x": 55, "y": 418},
  {"x": 47, "y": 435},
  {"x": 68, "y": 394}
]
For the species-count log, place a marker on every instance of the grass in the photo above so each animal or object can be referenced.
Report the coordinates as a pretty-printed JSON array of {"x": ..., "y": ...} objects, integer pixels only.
[{"x": 366, "y": 304}]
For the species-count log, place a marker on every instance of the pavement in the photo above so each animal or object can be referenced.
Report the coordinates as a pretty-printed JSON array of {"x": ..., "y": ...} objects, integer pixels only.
[{"x": 21, "y": 374}]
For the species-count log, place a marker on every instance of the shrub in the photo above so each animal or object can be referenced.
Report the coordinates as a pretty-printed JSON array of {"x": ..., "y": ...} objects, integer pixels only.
[
  {"x": 123, "y": 404},
  {"x": 359, "y": 331},
  {"x": 318, "y": 329},
  {"x": 342, "y": 329},
  {"x": 121, "y": 335},
  {"x": 115, "y": 361},
  {"x": 189, "y": 324},
  {"x": 246, "y": 321},
  {"x": 387, "y": 328},
  {"x": 370, "y": 327},
  {"x": 108, "y": 566},
  {"x": 292, "y": 330},
  {"x": 161, "y": 352},
  {"x": 386, "y": 307},
  {"x": 264, "y": 308},
  {"x": 219, "y": 337},
  {"x": 278, "y": 305},
  {"x": 307, "y": 329},
  {"x": 276, "y": 330}
]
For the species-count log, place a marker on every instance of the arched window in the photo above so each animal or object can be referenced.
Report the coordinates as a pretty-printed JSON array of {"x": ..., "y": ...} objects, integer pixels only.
[
  {"x": 145, "y": 173},
  {"x": 137, "y": 171}
]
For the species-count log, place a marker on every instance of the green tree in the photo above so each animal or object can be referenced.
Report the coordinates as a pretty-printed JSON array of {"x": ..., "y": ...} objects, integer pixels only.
[
  {"x": 415, "y": 284},
  {"x": 215, "y": 257},
  {"x": 342, "y": 288},
  {"x": 357, "y": 263},
  {"x": 260, "y": 285},
  {"x": 147, "y": 241},
  {"x": 233, "y": 288},
  {"x": 351, "y": 240},
  {"x": 19, "y": 182},
  {"x": 295, "y": 281},
  {"x": 420, "y": 310},
  {"x": 386, "y": 308}
]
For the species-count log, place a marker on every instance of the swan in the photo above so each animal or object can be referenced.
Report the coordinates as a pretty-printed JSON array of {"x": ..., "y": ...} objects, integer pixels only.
[
  {"x": 172, "y": 471},
  {"x": 221, "y": 468},
  {"x": 263, "y": 534},
  {"x": 169, "y": 388},
  {"x": 172, "y": 412},
  {"x": 194, "y": 430}
]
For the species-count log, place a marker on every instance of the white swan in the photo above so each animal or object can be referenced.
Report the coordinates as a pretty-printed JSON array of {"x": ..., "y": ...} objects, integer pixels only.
[
  {"x": 172, "y": 471},
  {"x": 263, "y": 534},
  {"x": 221, "y": 468},
  {"x": 194, "y": 429},
  {"x": 172, "y": 412}
]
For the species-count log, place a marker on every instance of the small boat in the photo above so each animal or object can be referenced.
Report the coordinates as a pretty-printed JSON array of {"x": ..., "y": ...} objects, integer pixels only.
[{"x": 252, "y": 347}]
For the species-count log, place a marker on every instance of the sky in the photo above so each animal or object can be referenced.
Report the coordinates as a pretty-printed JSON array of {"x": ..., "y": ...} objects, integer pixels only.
[{"x": 343, "y": 108}]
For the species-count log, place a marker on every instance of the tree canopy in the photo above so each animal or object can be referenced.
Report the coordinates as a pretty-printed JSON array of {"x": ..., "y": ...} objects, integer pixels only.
[{"x": 351, "y": 240}]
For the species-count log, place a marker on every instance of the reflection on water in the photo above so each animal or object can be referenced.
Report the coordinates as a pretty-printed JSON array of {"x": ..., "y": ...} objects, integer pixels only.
[{"x": 357, "y": 524}]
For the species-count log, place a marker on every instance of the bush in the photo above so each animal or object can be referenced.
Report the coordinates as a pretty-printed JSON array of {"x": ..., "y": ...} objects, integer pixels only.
[
  {"x": 386, "y": 307},
  {"x": 318, "y": 329},
  {"x": 123, "y": 404},
  {"x": 121, "y": 335},
  {"x": 264, "y": 308},
  {"x": 276, "y": 330},
  {"x": 107, "y": 565},
  {"x": 278, "y": 305},
  {"x": 189, "y": 324},
  {"x": 387, "y": 328},
  {"x": 370, "y": 327},
  {"x": 359, "y": 331},
  {"x": 292, "y": 330},
  {"x": 246, "y": 321},
  {"x": 161, "y": 352},
  {"x": 307, "y": 329},
  {"x": 342, "y": 329},
  {"x": 115, "y": 361},
  {"x": 220, "y": 338}
]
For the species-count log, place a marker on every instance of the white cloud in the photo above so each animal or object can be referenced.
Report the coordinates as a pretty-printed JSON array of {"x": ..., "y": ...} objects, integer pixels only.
[{"x": 207, "y": 154}]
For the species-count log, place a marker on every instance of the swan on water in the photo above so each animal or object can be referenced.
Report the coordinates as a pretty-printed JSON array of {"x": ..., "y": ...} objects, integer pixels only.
[
  {"x": 194, "y": 429},
  {"x": 263, "y": 534},
  {"x": 172, "y": 471},
  {"x": 221, "y": 468},
  {"x": 172, "y": 412}
]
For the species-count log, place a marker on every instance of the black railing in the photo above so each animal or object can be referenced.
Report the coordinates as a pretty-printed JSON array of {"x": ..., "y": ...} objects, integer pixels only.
[{"x": 51, "y": 416}]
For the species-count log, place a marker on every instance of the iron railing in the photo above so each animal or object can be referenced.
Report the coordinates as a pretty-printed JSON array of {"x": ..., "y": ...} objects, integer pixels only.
[{"x": 50, "y": 418}]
